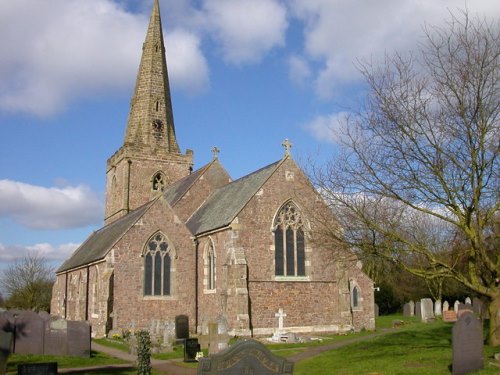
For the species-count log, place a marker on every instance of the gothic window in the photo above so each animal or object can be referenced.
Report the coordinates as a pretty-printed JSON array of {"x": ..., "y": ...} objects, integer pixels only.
[
  {"x": 158, "y": 182},
  {"x": 289, "y": 242},
  {"x": 158, "y": 129},
  {"x": 355, "y": 297},
  {"x": 157, "y": 267},
  {"x": 210, "y": 266}
]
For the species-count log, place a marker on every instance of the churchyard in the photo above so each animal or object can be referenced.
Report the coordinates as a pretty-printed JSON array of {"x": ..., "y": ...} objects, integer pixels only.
[{"x": 414, "y": 347}]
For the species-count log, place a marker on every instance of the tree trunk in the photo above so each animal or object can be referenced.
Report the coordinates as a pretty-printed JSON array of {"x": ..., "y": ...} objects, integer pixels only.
[{"x": 494, "y": 311}]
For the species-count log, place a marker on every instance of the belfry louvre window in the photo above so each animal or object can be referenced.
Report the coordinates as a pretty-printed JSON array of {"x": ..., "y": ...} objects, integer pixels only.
[
  {"x": 289, "y": 242},
  {"x": 158, "y": 182},
  {"x": 157, "y": 264}
]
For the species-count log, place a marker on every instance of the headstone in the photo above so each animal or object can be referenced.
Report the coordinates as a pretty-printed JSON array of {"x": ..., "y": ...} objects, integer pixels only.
[
  {"x": 455, "y": 306},
  {"x": 78, "y": 342},
  {"x": 467, "y": 344},
  {"x": 478, "y": 307},
  {"x": 280, "y": 315},
  {"x": 28, "y": 332},
  {"x": 5, "y": 348},
  {"x": 376, "y": 310},
  {"x": 468, "y": 301},
  {"x": 245, "y": 357},
  {"x": 449, "y": 316},
  {"x": 427, "y": 309},
  {"x": 446, "y": 306},
  {"x": 168, "y": 335},
  {"x": 418, "y": 309},
  {"x": 412, "y": 308},
  {"x": 438, "y": 308},
  {"x": 56, "y": 336},
  {"x": 408, "y": 310},
  {"x": 181, "y": 327},
  {"x": 191, "y": 349},
  {"x": 462, "y": 308},
  {"x": 49, "y": 368}
]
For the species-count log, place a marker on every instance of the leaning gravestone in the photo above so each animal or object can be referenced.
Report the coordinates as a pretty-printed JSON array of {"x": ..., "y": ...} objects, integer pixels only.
[
  {"x": 467, "y": 344},
  {"x": 181, "y": 327},
  {"x": 245, "y": 357}
]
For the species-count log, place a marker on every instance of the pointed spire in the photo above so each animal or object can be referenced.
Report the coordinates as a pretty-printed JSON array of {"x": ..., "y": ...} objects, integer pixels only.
[{"x": 151, "y": 122}]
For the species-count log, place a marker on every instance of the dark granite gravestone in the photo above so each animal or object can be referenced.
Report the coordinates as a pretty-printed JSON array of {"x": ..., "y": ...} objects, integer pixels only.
[
  {"x": 467, "y": 344},
  {"x": 191, "y": 348},
  {"x": 181, "y": 327},
  {"x": 5, "y": 348},
  {"x": 29, "y": 332},
  {"x": 56, "y": 336},
  {"x": 245, "y": 357},
  {"x": 49, "y": 368}
]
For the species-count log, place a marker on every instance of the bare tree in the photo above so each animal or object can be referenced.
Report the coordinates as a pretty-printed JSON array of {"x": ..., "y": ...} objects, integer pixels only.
[
  {"x": 423, "y": 149},
  {"x": 28, "y": 283}
]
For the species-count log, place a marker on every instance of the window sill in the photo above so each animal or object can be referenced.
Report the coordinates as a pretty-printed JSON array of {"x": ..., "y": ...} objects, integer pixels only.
[
  {"x": 209, "y": 291},
  {"x": 292, "y": 278},
  {"x": 159, "y": 298}
]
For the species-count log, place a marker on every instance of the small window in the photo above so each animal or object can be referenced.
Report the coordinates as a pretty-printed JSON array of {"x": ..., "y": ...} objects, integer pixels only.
[
  {"x": 210, "y": 266},
  {"x": 157, "y": 267},
  {"x": 355, "y": 297},
  {"x": 158, "y": 129},
  {"x": 158, "y": 182}
]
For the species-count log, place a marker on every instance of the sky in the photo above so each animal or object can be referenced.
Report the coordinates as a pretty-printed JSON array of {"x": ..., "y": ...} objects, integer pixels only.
[{"x": 245, "y": 75}]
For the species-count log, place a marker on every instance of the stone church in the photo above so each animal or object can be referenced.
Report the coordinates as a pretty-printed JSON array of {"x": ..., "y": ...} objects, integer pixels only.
[{"x": 179, "y": 241}]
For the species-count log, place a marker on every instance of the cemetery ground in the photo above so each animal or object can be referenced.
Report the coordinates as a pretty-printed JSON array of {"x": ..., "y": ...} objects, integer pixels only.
[{"x": 412, "y": 348}]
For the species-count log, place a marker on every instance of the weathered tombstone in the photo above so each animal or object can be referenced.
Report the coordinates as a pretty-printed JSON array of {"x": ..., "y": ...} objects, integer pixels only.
[
  {"x": 191, "y": 348},
  {"x": 168, "y": 335},
  {"x": 438, "y": 308},
  {"x": 56, "y": 336},
  {"x": 462, "y": 308},
  {"x": 407, "y": 309},
  {"x": 412, "y": 308},
  {"x": 78, "y": 341},
  {"x": 181, "y": 327},
  {"x": 455, "y": 306},
  {"x": 418, "y": 309},
  {"x": 468, "y": 301},
  {"x": 245, "y": 357},
  {"x": 446, "y": 306},
  {"x": 28, "y": 332},
  {"x": 49, "y": 368},
  {"x": 467, "y": 344},
  {"x": 427, "y": 309},
  {"x": 376, "y": 310}
]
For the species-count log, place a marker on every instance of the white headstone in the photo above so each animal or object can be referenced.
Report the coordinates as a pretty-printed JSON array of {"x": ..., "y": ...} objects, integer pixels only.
[
  {"x": 280, "y": 315},
  {"x": 446, "y": 306},
  {"x": 455, "y": 306},
  {"x": 427, "y": 309},
  {"x": 437, "y": 308},
  {"x": 468, "y": 301}
]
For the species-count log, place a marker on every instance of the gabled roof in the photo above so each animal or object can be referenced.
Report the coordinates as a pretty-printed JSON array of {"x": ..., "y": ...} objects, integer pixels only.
[
  {"x": 174, "y": 192},
  {"x": 101, "y": 241},
  {"x": 220, "y": 209}
]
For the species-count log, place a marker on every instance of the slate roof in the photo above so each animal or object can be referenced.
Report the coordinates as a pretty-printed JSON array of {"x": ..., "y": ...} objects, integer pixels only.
[
  {"x": 225, "y": 203},
  {"x": 176, "y": 191},
  {"x": 101, "y": 241}
]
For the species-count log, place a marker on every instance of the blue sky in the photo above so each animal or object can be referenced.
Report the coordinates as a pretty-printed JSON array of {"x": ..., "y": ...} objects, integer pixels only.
[{"x": 244, "y": 76}]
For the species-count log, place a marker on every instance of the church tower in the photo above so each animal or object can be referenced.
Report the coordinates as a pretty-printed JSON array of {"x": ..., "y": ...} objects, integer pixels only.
[{"x": 150, "y": 158}]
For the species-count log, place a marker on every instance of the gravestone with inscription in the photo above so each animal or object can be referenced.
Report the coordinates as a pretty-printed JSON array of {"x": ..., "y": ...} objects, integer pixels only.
[
  {"x": 49, "y": 368},
  {"x": 191, "y": 348},
  {"x": 245, "y": 357},
  {"x": 467, "y": 343},
  {"x": 427, "y": 309},
  {"x": 181, "y": 327}
]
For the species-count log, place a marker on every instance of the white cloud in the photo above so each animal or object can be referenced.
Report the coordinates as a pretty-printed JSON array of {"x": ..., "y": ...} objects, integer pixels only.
[
  {"x": 328, "y": 128},
  {"x": 299, "y": 70},
  {"x": 11, "y": 253},
  {"x": 337, "y": 32},
  {"x": 246, "y": 30},
  {"x": 56, "y": 51},
  {"x": 39, "y": 207}
]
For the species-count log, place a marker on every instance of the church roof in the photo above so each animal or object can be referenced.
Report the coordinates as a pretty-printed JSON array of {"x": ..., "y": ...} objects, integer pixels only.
[
  {"x": 220, "y": 209},
  {"x": 101, "y": 241},
  {"x": 176, "y": 191}
]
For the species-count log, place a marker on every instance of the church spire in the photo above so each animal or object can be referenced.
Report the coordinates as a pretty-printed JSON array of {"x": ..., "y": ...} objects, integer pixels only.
[{"x": 150, "y": 125}]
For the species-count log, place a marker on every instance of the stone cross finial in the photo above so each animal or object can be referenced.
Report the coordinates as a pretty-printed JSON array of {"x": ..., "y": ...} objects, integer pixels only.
[
  {"x": 287, "y": 145},
  {"x": 215, "y": 151}
]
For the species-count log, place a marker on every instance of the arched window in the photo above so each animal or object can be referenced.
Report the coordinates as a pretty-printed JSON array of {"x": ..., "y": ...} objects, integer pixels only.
[
  {"x": 159, "y": 182},
  {"x": 210, "y": 266},
  {"x": 157, "y": 267},
  {"x": 289, "y": 242},
  {"x": 355, "y": 297}
]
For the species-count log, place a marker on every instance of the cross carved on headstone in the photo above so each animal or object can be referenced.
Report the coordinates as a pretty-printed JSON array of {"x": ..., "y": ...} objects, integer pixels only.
[
  {"x": 287, "y": 145},
  {"x": 280, "y": 315},
  {"x": 215, "y": 151}
]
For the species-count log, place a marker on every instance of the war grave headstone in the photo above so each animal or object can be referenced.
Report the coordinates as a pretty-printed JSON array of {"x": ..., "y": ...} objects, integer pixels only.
[
  {"x": 191, "y": 349},
  {"x": 438, "y": 308},
  {"x": 427, "y": 309},
  {"x": 245, "y": 357},
  {"x": 49, "y": 368},
  {"x": 467, "y": 344},
  {"x": 181, "y": 327}
]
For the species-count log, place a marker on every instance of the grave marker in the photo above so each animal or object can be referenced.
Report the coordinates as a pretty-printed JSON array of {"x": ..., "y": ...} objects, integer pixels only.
[
  {"x": 446, "y": 306},
  {"x": 427, "y": 309},
  {"x": 181, "y": 327},
  {"x": 49, "y": 368},
  {"x": 438, "y": 308},
  {"x": 467, "y": 344},
  {"x": 245, "y": 357},
  {"x": 191, "y": 349}
]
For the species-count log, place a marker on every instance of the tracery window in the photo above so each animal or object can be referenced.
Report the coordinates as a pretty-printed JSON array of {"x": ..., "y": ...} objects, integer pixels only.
[
  {"x": 157, "y": 267},
  {"x": 289, "y": 242},
  {"x": 158, "y": 182}
]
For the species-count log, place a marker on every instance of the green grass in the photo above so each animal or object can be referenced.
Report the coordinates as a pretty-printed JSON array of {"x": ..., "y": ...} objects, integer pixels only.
[
  {"x": 113, "y": 343},
  {"x": 417, "y": 348}
]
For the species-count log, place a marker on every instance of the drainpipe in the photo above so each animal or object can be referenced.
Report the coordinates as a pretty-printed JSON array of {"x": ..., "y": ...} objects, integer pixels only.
[
  {"x": 128, "y": 185},
  {"x": 196, "y": 302},
  {"x": 87, "y": 295},
  {"x": 65, "y": 301}
]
